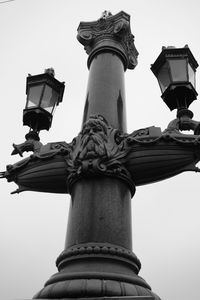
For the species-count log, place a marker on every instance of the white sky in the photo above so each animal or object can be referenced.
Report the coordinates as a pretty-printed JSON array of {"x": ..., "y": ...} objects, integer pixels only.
[{"x": 36, "y": 34}]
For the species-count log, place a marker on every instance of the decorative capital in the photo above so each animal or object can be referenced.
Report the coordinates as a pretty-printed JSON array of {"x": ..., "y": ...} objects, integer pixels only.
[{"x": 111, "y": 34}]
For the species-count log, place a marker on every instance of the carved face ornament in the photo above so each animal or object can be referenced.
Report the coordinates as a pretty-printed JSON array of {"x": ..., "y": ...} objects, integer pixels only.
[{"x": 93, "y": 140}]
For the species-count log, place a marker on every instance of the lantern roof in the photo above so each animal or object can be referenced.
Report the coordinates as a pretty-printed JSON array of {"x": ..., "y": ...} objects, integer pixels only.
[
  {"x": 172, "y": 52},
  {"x": 48, "y": 78}
]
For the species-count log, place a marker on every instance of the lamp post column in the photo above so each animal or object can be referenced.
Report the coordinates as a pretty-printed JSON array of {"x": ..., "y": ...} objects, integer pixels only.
[
  {"x": 98, "y": 260},
  {"x": 105, "y": 92},
  {"x": 101, "y": 208},
  {"x": 111, "y": 50}
]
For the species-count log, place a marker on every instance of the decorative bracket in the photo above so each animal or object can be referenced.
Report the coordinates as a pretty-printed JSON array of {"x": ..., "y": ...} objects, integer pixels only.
[
  {"x": 184, "y": 122},
  {"x": 144, "y": 156}
]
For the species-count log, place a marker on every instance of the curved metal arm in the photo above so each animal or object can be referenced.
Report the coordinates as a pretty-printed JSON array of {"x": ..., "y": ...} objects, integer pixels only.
[{"x": 184, "y": 122}]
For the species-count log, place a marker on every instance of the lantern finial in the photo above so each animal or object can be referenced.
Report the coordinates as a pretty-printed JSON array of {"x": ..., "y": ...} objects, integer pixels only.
[
  {"x": 50, "y": 71},
  {"x": 105, "y": 14}
]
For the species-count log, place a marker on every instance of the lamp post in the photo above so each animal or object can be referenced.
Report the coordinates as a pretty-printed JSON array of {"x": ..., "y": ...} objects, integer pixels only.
[{"x": 102, "y": 166}]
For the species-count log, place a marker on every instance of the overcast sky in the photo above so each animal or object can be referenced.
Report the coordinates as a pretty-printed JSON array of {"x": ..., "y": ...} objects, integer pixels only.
[{"x": 37, "y": 34}]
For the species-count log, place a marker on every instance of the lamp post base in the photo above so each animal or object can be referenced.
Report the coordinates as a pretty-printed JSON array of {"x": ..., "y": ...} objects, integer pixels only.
[{"x": 97, "y": 271}]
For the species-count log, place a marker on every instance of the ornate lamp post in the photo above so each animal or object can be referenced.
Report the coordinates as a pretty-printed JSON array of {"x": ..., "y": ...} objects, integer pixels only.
[{"x": 102, "y": 165}]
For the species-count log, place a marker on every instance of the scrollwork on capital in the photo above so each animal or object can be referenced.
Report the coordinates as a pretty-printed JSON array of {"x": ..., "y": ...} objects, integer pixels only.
[
  {"x": 110, "y": 33},
  {"x": 121, "y": 27}
]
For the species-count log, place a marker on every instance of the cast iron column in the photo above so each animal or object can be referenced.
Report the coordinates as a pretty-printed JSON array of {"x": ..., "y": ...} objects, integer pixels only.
[
  {"x": 100, "y": 210},
  {"x": 98, "y": 260},
  {"x": 105, "y": 93}
]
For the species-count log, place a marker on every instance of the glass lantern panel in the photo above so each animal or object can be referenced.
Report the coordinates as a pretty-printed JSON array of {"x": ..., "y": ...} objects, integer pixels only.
[
  {"x": 164, "y": 77},
  {"x": 191, "y": 74},
  {"x": 49, "y": 99},
  {"x": 34, "y": 95},
  {"x": 178, "y": 69}
]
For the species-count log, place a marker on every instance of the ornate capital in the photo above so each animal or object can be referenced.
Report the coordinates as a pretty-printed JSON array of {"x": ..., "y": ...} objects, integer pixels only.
[{"x": 110, "y": 34}]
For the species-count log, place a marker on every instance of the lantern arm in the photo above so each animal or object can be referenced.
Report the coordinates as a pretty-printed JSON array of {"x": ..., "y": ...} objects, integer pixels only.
[
  {"x": 153, "y": 155},
  {"x": 42, "y": 163},
  {"x": 145, "y": 156},
  {"x": 183, "y": 123}
]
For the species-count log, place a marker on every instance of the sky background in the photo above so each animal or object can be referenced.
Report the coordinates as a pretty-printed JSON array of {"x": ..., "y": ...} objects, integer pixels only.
[{"x": 37, "y": 34}]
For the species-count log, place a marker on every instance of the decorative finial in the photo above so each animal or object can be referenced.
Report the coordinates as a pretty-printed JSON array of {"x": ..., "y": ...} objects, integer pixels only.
[
  {"x": 106, "y": 14},
  {"x": 50, "y": 71}
]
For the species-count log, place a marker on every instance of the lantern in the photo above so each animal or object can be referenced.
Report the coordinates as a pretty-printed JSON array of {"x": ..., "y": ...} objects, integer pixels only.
[
  {"x": 44, "y": 93},
  {"x": 175, "y": 70}
]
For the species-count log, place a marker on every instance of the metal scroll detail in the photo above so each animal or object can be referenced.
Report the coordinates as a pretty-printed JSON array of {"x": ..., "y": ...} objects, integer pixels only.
[{"x": 144, "y": 156}]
